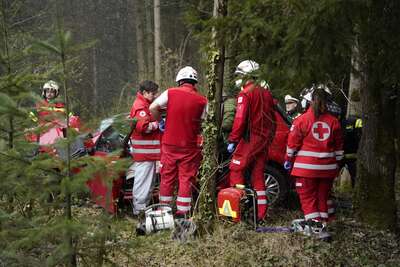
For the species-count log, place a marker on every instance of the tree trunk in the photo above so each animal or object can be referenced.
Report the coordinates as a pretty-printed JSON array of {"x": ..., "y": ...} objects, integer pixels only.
[
  {"x": 149, "y": 40},
  {"x": 95, "y": 83},
  {"x": 397, "y": 147},
  {"x": 94, "y": 53},
  {"x": 139, "y": 40},
  {"x": 206, "y": 208},
  {"x": 220, "y": 10},
  {"x": 157, "y": 42},
  {"x": 6, "y": 52},
  {"x": 124, "y": 58},
  {"x": 69, "y": 239},
  {"x": 354, "y": 106},
  {"x": 374, "y": 197}
]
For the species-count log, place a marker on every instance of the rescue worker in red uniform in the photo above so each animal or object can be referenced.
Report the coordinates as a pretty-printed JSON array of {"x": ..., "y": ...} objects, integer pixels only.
[
  {"x": 315, "y": 147},
  {"x": 181, "y": 153},
  {"x": 50, "y": 114},
  {"x": 145, "y": 146},
  {"x": 49, "y": 109},
  {"x": 252, "y": 133},
  {"x": 334, "y": 109}
]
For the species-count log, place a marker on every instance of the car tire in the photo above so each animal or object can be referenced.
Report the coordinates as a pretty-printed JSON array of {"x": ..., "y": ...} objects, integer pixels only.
[{"x": 276, "y": 186}]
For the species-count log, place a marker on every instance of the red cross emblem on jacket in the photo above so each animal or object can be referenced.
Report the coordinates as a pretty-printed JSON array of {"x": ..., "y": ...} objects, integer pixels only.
[{"x": 321, "y": 130}]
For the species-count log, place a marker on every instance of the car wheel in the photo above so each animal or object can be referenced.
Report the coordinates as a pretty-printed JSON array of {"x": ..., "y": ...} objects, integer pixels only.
[{"x": 276, "y": 185}]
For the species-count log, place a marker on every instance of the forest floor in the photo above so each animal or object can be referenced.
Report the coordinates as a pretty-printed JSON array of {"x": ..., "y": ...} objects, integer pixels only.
[{"x": 238, "y": 245}]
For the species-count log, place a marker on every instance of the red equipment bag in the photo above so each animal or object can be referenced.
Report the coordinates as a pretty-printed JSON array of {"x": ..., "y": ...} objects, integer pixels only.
[{"x": 229, "y": 202}]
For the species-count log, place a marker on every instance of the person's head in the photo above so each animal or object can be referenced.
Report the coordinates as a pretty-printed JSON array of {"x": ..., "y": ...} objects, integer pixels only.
[
  {"x": 186, "y": 75},
  {"x": 50, "y": 90},
  {"x": 319, "y": 99},
  {"x": 245, "y": 68},
  {"x": 149, "y": 90},
  {"x": 291, "y": 103}
]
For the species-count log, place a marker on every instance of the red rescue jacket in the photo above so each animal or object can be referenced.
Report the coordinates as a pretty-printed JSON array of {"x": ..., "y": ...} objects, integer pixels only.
[
  {"x": 50, "y": 111},
  {"x": 255, "y": 116},
  {"x": 184, "y": 110},
  {"x": 315, "y": 145},
  {"x": 145, "y": 139}
]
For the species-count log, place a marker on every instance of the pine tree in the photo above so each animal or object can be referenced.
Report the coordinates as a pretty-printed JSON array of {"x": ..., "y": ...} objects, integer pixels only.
[{"x": 40, "y": 223}]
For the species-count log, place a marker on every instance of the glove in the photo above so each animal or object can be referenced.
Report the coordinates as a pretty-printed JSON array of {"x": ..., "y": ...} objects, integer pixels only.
[
  {"x": 287, "y": 165},
  {"x": 161, "y": 125},
  {"x": 231, "y": 147}
]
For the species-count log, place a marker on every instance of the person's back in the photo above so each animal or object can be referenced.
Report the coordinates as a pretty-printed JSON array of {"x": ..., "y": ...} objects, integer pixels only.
[
  {"x": 261, "y": 122},
  {"x": 181, "y": 154},
  {"x": 229, "y": 109},
  {"x": 260, "y": 117},
  {"x": 318, "y": 149},
  {"x": 184, "y": 112}
]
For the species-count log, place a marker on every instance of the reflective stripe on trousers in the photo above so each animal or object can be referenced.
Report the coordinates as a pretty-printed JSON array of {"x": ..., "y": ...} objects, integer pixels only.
[{"x": 183, "y": 204}]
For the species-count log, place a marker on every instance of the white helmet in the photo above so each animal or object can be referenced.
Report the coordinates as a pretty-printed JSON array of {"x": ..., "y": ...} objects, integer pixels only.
[
  {"x": 289, "y": 98},
  {"x": 50, "y": 85},
  {"x": 306, "y": 97},
  {"x": 246, "y": 67},
  {"x": 306, "y": 94},
  {"x": 186, "y": 73}
]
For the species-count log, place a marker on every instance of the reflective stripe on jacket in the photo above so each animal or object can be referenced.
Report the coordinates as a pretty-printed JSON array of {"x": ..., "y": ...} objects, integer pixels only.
[
  {"x": 145, "y": 139},
  {"x": 48, "y": 111},
  {"x": 315, "y": 145}
]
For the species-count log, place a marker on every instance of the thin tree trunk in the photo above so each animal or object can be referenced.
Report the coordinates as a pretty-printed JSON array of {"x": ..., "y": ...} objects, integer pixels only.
[
  {"x": 354, "y": 106},
  {"x": 139, "y": 40},
  {"x": 11, "y": 132},
  {"x": 149, "y": 40},
  {"x": 8, "y": 64},
  {"x": 94, "y": 51},
  {"x": 68, "y": 196},
  {"x": 206, "y": 208},
  {"x": 123, "y": 43},
  {"x": 220, "y": 10},
  {"x": 95, "y": 78},
  {"x": 157, "y": 42}
]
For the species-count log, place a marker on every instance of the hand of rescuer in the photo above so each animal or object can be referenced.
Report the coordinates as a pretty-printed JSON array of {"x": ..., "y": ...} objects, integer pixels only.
[
  {"x": 231, "y": 147},
  {"x": 161, "y": 125},
  {"x": 287, "y": 165}
]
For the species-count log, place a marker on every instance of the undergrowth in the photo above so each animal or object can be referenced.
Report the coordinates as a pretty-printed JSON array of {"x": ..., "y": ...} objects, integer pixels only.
[{"x": 238, "y": 245}]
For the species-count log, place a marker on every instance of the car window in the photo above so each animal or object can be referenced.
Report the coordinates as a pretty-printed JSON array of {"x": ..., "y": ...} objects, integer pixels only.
[{"x": 110, "y": 140}]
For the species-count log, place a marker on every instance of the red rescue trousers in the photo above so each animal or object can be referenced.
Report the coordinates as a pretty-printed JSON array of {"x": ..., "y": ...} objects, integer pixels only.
[
  {"x": 242, "y": 159},
  {"x": 179, "y": 164},
  {"x": 314, "y": 194}
]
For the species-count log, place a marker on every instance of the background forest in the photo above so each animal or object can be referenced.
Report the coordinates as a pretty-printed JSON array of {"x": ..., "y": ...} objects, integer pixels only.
[{"x": 120, "y": 45}]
